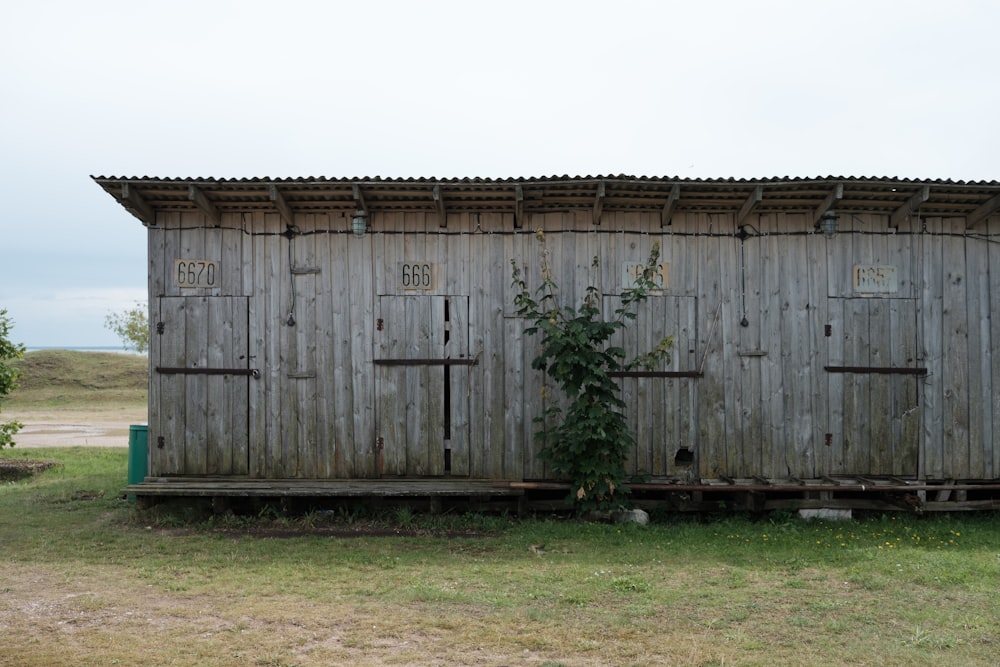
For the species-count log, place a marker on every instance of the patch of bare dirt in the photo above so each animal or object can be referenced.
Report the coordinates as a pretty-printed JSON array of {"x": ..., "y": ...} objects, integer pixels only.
[
  {"x": 102, "y": 427},
  {"x": 12, "y": 470}
]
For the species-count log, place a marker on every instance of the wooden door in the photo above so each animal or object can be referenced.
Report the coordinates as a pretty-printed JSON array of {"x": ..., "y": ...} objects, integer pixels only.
[
  {"x": 873, "y": 373},
  {"x": 422, "y": 385},
  {"x": 199, "y": 387},
  {"x": 661, "y": 402}
]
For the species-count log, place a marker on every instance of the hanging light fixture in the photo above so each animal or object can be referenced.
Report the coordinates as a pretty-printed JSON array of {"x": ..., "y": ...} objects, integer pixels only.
[
  {"x": 828, "y": 224},
  {"x": 359, "y": 223}
]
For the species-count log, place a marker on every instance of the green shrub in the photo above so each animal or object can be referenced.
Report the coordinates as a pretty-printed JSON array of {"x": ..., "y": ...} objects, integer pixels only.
[{"x": 590, "y": 441}]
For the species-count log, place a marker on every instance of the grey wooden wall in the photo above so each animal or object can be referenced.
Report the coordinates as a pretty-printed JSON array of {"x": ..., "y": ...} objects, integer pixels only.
[{"x": 349, "y": 353}]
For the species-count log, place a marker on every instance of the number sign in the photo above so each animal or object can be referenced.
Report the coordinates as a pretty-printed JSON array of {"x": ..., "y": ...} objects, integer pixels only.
[
  {"x": 875, "y": 279},
  {"x": 417, "y": 275},
  {"x": 196, "y": 273}
]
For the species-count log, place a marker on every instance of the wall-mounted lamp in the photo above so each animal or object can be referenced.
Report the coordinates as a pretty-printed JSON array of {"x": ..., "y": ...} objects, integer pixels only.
[
  {"x": 359, "y": 223},
  {"x": 828, "y": 224}
]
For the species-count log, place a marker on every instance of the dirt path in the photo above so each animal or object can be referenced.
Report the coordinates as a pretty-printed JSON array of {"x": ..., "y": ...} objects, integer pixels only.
[{"x": 101, "y": 427}]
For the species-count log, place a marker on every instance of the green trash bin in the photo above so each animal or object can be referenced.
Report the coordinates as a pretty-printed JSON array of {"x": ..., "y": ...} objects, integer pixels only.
[{"x": 138, "y": 455}]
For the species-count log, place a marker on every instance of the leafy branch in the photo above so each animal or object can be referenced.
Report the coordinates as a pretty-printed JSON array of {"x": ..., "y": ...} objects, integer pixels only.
[
  {"x": 9, "y": 376},
  {"x": 590, "y": 441}
]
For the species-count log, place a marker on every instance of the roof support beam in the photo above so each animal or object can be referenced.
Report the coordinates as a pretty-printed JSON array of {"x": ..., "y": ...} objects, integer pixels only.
[
  {"x": 439, "y": 203},
  {"x": 137, "y": 205},
  {"x": 667, "y": 214},
  {"x": 829, "y": 203},
  {"x": 279, "y": 203},
  {"x": 199, "y": 199},
  {"x": 911, "y": 206},
  {"x": 599, "y": 202},
  {"x": 359, "y": 198},
  {"x": 985, "y": 210},
  {"x": 750, "y": 204},
  {"x": 518, "y": 206}
]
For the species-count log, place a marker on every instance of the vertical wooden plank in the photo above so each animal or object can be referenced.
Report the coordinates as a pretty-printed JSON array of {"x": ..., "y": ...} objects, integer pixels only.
[
  {"x": 259, "y": 323},
  {"x": 905, "y": 405},
  {"x": 415, "y": 340},
  {"x": 881, "y": 412},
  {"x": 932, "y": 328},
  {"x": 215, "y": 437},
  {"x": 518, "y": 419},
  {"x": 818, "y": 306},
  {"x": 237, "y": 400},
  {"x": 772, "y": 389},
  {"x": 432, "y": 386},
  {"x": 955, "y": 372},
  {"x": 195, "y": 386},
  {"x": 837, "y": 268},
  {"x": 157, "y": 400},
  {"x": 280, "y": 433},
  {"x": 836, "y": 391},
  {"x": 796, "y": 349},
  {"x": 336, "y": 403},
  {"x": 460, "y": 381},
  {"x": 392, "y": 398},
  {"x": 728, "y": 289},
  {"x": 325, "y": 351},
  {"x": 361, "y": 257},
  {"x": 993, "y": 443},
  {"x": 711, "y": 389},
  {"x": 306, "y": 331},
  {"x": 157, "y": 244},
  {"x": 654, "y": 446},
  {"x": 980, "y": 386},
  {"x": 857, "y": 387},
  {"x": 167, "y": 413},
  {"x": 748, "y": 334},
  {"x": 498, "y": 460}
]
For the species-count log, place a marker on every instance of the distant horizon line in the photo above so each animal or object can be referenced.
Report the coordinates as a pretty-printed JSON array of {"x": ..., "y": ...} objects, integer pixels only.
[{"x": 82, "y": 348}]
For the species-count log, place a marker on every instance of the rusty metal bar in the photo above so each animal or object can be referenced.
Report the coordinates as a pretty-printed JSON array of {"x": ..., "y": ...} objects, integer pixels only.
[
  {"x": 252, "y": 372},
  {"x": 877, "y": 370},
  {"x": 427, "y": 362},
  {"x": 656, "y": 374}
]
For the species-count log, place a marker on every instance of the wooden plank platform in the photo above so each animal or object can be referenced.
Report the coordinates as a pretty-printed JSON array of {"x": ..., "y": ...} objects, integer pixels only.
[
  {"x": 229, "y": 486},
  {"x": 707, "y": 495}
]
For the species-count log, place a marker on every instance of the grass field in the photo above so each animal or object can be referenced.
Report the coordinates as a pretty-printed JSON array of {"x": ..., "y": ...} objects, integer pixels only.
[
  {"x": 67, "y": 379},
  {"x": 90, "y": 580},
  {"x": 87, "y": 579}
]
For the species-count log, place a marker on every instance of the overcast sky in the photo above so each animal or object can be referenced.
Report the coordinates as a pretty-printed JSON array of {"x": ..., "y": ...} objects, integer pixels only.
[{"x": 454, "y": 89}]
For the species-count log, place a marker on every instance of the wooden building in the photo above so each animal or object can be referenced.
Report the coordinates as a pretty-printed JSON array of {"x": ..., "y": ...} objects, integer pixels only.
[{"x": 330, "y": 336}]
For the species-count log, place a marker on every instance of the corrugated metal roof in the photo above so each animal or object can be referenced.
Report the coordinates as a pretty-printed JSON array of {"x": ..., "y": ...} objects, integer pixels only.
[{"x": 144, "y": 196}]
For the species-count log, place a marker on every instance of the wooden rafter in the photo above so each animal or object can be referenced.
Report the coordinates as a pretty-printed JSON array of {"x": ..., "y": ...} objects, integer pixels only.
[
  {"x": 198, "y": 198},
  {"x": 983, "y": 211},
  {"x": 439, "y": 203},
  {"x": 137, "y": 204},
  {"x": 599, "y": 202},
  {"x": 911, "y": 206},
  {"x": 279, "y": 203},
  {"x": 667, "y": 213},
  {"x": 750, "y": 204},
  {"x": 518, "y": 206},
  {"x": 829, "y": 203},
  {"x": 359, "y": 198}
]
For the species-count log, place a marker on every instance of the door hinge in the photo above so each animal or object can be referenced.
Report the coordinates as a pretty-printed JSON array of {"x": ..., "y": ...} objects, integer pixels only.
[
  {"x": 161, "y": 442},
  {"x": 160, "y": 327}
]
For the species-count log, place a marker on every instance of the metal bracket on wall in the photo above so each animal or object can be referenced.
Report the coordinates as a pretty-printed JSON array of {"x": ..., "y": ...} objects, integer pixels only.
[
  {"x": 252, "y": 372},
  {"x": 876, "y": 370},
  {"x": 427, "y": 362}
]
